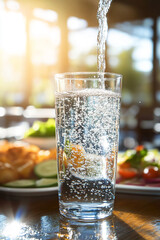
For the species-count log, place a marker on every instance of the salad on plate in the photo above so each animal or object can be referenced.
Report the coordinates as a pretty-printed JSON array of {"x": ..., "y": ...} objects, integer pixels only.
[
  {"x": 139, "y": 166},
  {"x": 42, "y": 134}
]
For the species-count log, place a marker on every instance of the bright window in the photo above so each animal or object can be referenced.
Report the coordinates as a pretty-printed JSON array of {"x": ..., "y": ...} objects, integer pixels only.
[
  {"x": 83, "y": 42},
  {"x": 29, "y": 47}
]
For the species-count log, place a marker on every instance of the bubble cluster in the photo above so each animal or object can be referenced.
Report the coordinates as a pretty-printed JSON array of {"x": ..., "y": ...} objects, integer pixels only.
[{"x": 88, "y": 121}]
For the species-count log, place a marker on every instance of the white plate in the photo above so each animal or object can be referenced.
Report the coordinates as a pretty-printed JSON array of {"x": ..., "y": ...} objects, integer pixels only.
[
  {"x": 122, "y": 188},
  {"x": 44, "y": 143},
  {"x": 29, "y": 191}
]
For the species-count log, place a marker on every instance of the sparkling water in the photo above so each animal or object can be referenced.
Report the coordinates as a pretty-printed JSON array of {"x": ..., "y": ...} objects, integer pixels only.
[
  {"x": 87, "y": 138},
  {"x": 103, "y": 9}
]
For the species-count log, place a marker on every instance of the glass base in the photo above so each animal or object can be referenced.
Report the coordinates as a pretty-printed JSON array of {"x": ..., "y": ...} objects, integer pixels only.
[{"x": 86, "y": 211}]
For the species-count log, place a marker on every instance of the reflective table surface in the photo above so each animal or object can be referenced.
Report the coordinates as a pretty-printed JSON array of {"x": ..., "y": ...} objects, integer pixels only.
[{"x": 37, "y": 217}]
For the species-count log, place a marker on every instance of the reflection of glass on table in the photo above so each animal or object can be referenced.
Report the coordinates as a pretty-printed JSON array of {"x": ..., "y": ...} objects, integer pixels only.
[{"x": 71, "y": 229}]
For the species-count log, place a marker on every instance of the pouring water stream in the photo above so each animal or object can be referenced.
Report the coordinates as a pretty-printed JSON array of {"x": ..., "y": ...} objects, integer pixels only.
[{"x": 103, "y": 8}]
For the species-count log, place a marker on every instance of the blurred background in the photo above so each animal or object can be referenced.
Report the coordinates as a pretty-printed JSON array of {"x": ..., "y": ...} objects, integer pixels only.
[{"x": 39, "y": 38}]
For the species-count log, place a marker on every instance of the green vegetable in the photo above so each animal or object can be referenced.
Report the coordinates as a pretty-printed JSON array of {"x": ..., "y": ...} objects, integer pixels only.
[
  {"x": 143, "y": 158},
  {"x": 67, "y": 148},
  {"x": 42, "y": 129},
  {"x": 23, "y": 183},
  {"x": 136, "y": 158},
  {"x": 46, "y": 169},
  {"x": 46, "y": 182}
]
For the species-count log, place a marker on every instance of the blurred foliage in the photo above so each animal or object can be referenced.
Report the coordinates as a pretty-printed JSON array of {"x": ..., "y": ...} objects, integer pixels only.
[
  {"x": 137, "y": 84},
  {"x": 133, "y": 79}
]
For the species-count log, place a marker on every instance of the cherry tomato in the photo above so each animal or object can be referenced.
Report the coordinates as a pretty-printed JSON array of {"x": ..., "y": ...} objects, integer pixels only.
[
  {"x": 125, "y": 165},
  {"x": 127, "y": 172},
  {"x": 139, "y": 148},
  {"x": 151, "y": 172}
]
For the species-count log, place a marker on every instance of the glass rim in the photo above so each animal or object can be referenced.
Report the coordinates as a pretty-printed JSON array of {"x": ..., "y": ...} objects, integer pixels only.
[{"x": 73, "y": 75}]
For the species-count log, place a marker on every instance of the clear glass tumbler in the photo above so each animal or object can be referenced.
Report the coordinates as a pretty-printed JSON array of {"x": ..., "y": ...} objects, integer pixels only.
[{"x": 87, "y": 132}]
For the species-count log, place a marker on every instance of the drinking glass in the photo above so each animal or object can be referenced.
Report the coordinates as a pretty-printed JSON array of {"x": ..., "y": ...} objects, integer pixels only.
[{"x": 87, "y": 132}]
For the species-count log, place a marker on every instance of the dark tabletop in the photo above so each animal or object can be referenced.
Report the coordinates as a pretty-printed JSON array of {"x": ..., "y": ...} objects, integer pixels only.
[{"x": 37, "y": 217}]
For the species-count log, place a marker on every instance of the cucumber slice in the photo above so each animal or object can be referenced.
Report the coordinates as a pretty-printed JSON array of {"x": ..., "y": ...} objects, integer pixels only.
[
  {"x": 46, "y": 182},
  {"x": 46, "y": 169},
  {"x": 23, "y": 183}
]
